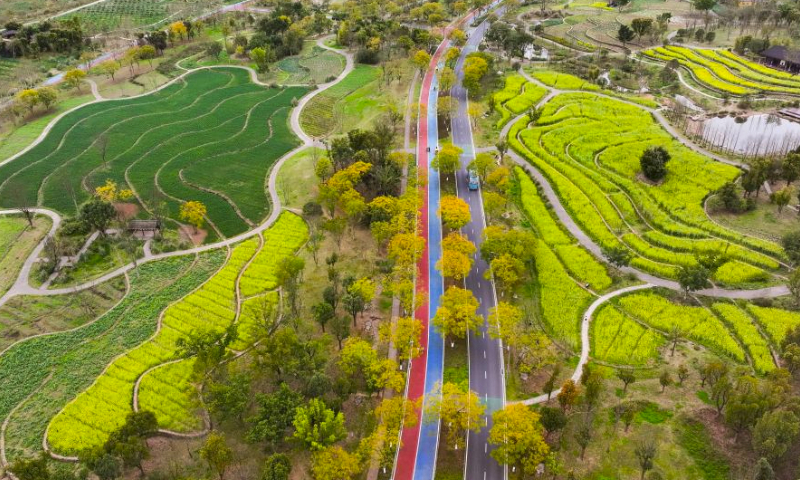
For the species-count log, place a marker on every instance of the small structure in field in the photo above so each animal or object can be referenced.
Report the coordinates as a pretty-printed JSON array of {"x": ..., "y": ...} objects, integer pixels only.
[{"x": 781, "y": 57}]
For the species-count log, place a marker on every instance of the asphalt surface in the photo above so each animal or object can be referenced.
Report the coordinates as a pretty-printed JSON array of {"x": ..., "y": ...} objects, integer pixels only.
[{"x": 486, "y": 374}]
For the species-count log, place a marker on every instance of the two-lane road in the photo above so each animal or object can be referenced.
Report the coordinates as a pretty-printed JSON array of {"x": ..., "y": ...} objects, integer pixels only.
[{"x": 486, "y": 374}]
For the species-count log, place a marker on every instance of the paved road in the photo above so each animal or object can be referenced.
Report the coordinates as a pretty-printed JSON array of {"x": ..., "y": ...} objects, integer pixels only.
[{"x": 486, "y": 374}]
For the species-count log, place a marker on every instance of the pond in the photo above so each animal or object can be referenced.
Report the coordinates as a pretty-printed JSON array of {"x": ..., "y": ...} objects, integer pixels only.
[{"x": 755, "y": 135}]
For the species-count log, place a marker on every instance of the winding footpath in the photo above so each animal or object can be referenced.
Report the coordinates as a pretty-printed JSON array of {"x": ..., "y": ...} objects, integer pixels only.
[{"x": 22, "y": 284}]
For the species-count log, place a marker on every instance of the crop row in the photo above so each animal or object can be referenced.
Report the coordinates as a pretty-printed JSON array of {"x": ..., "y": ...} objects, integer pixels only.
[
  {"x": 620, "y": 340},
  {"x": 73, "y": 359},
  {"x": 564, "y": 81},
  {"x": 287, "y": 235},
  {"x": 750, "y": 70},
  {"x": 774, "y": 321},
  {"x": 696, "y": 323},
  {"x": 562, "y": 300},
  {"x": 742, "y": 325},
  {"x": 215, "y": 130},
  {"x": 715, "y": 72},
  {"x": 513, "y": 88},
  {"x": 567, "y": 147},
  {"x": 317, "y": 118},
  {"x": 87, "y": 421},
  {"x": 170, "y": 393}
]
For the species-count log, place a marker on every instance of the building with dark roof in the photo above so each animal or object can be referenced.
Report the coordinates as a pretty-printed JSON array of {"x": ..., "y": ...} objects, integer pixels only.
[{"x": 781, "y": 57}]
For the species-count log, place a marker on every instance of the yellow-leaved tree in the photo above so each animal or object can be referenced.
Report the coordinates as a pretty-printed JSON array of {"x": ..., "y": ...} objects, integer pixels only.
[
  {"x": 458, "y": 313},
  {"x": 517, "y": 435},
  {"x": 111, "y": 193},
  {"x": 335, "y": 463},
  {"x": 454, "y": 212},
  {"x": 459, "y": 410},
  {"x": 194, "y": 212}
]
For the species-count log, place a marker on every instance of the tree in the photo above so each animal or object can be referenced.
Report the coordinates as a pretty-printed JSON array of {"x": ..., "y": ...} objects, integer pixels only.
[
  {"x": 454, "y": 264},
  {"x": 665, "y": 379},
  {"x": 334, "y": 463},
  {"x": 705, "y": 6},
  {"x": 654, "y": 163},
  {"x": 228, "y": 399},
  {"x": 550, "y": 384},
  {"x": 483, "y": 164},
  {"x": 692, "y": 277},
  {"x": 447, "y": 78},
  {"x": 31, "y": 469},
  {"x": 629, "y": 411},
  {"x": 178, "y": 29},
  {"x": 217, "y": 454},
  {"x": 625, "y": 34},
  {"x": 29, "y": 98},
  {"x": 583, "y": 436},
  {"x": 494, "y": 204},
  {"x": 277, "y": 467},
  {"x": 506, "y": 270},
  {"x": 568, "y": 396},
  {"x": 405, "y": 337},
  {"x": 214, "y": 49},
  {"x": 274, "y": 415},
  {"x": 675, "y": 336},
  {"x": 324, "y": 169},
  {"x": 791, "y": 245},
  {"x": 454, "y": 212},
  {"x": 645, "y": 453},
  {"x": 447, "y": 159},
  {"x": 683, "y": 374},
  {"x": 317, "y": 426},
  {"x": 618, "y": 255},
  {"x": 457, "y": 314},
  {"x": 642, "y": 26},
  {"x": 108, "y": 67},
  {"x": 460, "y": 411},
  {"x": 340, "y": 327},
  {"x": 262, "y": 58},
  {"x": 774, "y": 433},
  {"x": 553, "y": 420},
  {"x": 517, "y": 436},
  {"x": 97, "y": 215},
  {"x": 421, "y": 59},
  {"x": 764, "y": 470},
  {"x": 47, "y": 96},
  {"x": 781, "y": 198},
  {"x": 627, "y": 376},
  {"x": 193, "y": 212},
  {"x": 323, "y": 312},
  {"x": 593, "y": 388},
  {"x": 721, "y": 393},
  {"x": 731, "y": 198},
  {"x": 475, "y": 68},
  {"x": 288, "y": 275},
  {"x": 74, "y": 78},
  {"x": 107, "y": 467},
  {"x": 147, "y": 52}
]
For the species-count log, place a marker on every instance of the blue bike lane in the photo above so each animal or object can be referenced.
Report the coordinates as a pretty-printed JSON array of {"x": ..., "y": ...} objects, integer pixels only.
[{"x": 425, "y": 466}]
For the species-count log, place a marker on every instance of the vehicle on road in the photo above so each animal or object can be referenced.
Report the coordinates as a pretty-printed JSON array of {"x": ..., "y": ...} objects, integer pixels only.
[{"x": 474, "y": 182}]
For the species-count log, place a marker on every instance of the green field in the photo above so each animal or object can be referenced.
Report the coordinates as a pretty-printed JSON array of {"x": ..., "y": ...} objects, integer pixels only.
[
  {"x": 325, "y": 113},
  {"x": 589, "y": 146},
  {"x": 211, "y": 137},
  {"x": 17, "y": 240},
  {"x": 126, "y": 14},
  {"x": 314, "y": 65},
  {"x": 51, "y": 370}
]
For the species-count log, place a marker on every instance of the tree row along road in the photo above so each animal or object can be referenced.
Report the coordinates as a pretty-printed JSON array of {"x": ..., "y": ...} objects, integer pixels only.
[
  {"x": 22, "y": 285},
  {"x": 486, "y": 366}
]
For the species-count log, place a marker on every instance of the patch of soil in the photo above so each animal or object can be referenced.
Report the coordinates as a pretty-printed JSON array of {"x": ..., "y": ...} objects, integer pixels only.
[
  {"x": 126, "y": 211},
  {"x": 189, "y": 234},
  {"x": 643, "y": 179}
]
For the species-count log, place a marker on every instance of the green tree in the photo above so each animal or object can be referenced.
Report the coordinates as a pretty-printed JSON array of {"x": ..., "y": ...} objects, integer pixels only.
[
  {"x": 627, "y": 376},
  {"x": 483, "y": 164},
  {"x": 618, "y": 255},
  {"x": 340, "y": 327},
  {"x": 214, "y": 49},
  {"x": 791, "y": 245},
  {"x": 447, "y": 159},
  {"x": 217, "y": 454},
  {"x": 48, "y": 96},
  {"x": 228, "y": 399},
  {"x": 262, "y": 57},
  {"x": 31, "y": 469},
  {"x": 289, "y": 277},
  {"x": 553, "y": 420},
  {"x": 654, "y": 163},
  {"x": 277, "y": 467},
  {"x": 642, "y": 26},
  {"x": 323, "y": 313},
  {"x": 317, "y": 426},
  {"x": 781, "y": 198},
  {"x": 517, "y": 436},
  {"x": 274, "y": 415},
  {"x": 774, "y": 433},
  {"x": 625, "y": 34},
  {"x": 97, "y": 215},
  {"x": 692, "y": 278},
  {"x": 705, "y": 6},
  {"x": 764, "y": 470},
  {"x": 665, "y": 379}
]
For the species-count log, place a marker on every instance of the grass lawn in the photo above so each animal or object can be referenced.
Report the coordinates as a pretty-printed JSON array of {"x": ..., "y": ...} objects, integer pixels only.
[
  {"x": 17, "y": 240},
  {"x": 314, "y": 65},
  {"x": 17, "y": 138},
  {"x": 764, "y": 221},
  {"x": 296, "y": 179}
]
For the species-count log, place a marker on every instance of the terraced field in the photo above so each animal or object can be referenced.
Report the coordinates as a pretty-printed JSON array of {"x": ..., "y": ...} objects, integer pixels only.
[
  {"x": 588, "y": 147},
  {"x": 321, "y": 116},
  {"x": 87, "y": 420},
  {"x": 314, "y": 65},
  {"x": 38, "y": 377},
  {"x": 116, "y": 14},
  {"x": 726, "y": 72},
  {"x": 517, "y": 96},
  {"x": 17, "y": 240},
  {"x": 212, "y": 136}
]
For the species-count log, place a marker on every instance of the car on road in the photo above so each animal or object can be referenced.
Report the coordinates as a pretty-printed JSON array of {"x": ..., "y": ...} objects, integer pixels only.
[{"x": 474, "y": 182}]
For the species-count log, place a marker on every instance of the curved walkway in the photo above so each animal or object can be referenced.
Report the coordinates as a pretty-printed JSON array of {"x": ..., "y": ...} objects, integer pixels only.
[
  {"x": 22, "y": 285},
  {"x": 585, "y": 344}
]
